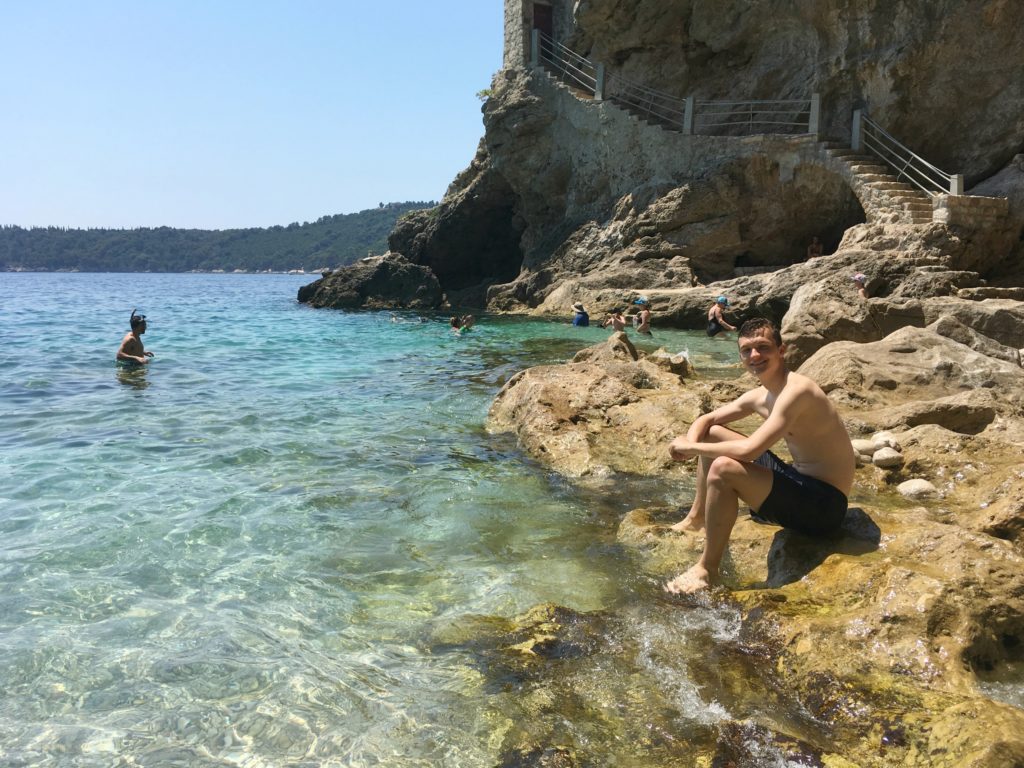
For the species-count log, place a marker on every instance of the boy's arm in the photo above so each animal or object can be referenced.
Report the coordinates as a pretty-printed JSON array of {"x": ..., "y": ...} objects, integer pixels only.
[
  {"x": 787, "y": 408},
  {"x": 742, "y": 406}
]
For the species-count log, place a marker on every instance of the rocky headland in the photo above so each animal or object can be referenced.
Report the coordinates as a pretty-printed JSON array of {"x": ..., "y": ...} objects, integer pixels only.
[{"x": 881, "y": 637}]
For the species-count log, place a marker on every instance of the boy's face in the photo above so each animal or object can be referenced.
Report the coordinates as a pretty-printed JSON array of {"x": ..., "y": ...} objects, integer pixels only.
[{"x": 760, "y": 354}]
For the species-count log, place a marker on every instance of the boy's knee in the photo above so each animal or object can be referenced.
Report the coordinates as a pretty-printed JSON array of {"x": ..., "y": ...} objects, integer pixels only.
[{"x": 722, "y": 468}]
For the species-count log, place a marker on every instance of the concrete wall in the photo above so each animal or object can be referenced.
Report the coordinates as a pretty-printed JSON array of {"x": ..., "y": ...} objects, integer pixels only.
[{"x": 976, "y": 212}]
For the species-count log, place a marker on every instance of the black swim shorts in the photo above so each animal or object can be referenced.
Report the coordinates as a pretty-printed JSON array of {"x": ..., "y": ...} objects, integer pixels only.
[
  {"x": 800, "y": 502},
  {"x": 714, "y": 327}
]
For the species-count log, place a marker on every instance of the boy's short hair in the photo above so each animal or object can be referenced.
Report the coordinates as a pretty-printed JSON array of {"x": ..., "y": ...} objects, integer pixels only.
[{"x": 757, "y": 326}]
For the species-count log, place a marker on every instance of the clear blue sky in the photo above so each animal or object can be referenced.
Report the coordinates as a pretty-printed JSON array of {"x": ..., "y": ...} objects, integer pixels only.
[{"x": 220, "y": 113}]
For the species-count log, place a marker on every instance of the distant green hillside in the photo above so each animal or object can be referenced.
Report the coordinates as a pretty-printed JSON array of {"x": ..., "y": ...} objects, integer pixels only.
[{"x": 330, "y": 241}]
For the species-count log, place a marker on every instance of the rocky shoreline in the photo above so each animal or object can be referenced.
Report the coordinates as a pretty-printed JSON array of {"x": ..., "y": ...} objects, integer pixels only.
[
  {"x": 879, "y": 639},
  {"x": 923, "y": 590}
]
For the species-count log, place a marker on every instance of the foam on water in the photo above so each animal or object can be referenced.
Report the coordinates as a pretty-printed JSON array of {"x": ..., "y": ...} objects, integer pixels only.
[{"x": 234, "y": 556}]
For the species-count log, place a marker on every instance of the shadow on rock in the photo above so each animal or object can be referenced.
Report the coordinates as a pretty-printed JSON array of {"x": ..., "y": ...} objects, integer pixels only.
[{"x": 794, "y": 555}]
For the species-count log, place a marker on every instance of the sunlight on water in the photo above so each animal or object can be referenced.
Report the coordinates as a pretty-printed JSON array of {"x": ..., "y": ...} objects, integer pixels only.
[{"x": 234, "y": 556}]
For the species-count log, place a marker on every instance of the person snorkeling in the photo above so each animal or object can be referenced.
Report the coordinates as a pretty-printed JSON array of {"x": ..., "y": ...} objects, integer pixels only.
[
  {"x": 463, "y": 323},
  {"x": 132, "y": 350}
]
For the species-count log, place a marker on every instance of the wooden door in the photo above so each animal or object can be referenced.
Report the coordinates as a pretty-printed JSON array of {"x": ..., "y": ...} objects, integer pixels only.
[{"x": 543, "y": 19}]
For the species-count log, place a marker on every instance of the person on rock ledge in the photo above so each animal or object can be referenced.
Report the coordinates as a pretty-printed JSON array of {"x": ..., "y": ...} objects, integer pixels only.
[
  {"x": 809, "y": 496},
  {"x": 861, "y": 281}
]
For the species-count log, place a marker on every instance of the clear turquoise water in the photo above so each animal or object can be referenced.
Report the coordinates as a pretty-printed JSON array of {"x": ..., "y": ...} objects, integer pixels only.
[{"x": 236, "y": 556}]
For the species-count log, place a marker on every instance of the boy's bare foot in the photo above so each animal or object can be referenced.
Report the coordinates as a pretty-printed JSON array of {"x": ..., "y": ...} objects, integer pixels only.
[
  {"x": 693, "y": 580},
  {"x": 689, "y": 524}
]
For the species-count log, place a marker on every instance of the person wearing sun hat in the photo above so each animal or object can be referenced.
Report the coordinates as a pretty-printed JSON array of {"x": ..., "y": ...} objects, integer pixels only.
[
  {"x": 861, "y": 281},
  {"x": 581, "y": 317},
  {"x": 716, "y": 320}
]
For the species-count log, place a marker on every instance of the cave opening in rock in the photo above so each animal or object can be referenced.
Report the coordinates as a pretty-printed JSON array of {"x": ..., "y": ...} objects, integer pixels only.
[{"x": 778, "y": 221}]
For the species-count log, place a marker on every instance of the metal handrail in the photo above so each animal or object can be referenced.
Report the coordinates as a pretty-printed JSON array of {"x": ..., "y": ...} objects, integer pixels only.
[
  {"x": 793, "y": 114},
  {"x": 569, "y": 64},
  {"x": 647, "y": 101},
  {"x": 778, "y": 115},
  {"x": 908, "y": 165}
]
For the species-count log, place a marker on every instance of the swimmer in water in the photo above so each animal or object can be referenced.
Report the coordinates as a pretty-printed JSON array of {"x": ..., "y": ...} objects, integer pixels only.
[{"x": 132, "y": 349}]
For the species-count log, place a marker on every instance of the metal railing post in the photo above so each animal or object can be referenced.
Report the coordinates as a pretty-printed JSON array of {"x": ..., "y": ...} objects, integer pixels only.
[
  {"x": 688, "y": 116},
  {"x": 815, "y": 116},
  {"x": 534, "y": 47},
  {"x": 956, "y": 184},
  {"x": 855, "y": 137},
  {"x": 599, "y": 83}
]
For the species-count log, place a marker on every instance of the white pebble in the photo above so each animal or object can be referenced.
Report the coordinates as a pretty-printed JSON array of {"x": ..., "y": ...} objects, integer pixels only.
[
  {"x": 866, "y": 447},
  {"x": 887, "y": 457},
  {"x": 885, "y": 440},
  {"x": 917, "y": 489}
]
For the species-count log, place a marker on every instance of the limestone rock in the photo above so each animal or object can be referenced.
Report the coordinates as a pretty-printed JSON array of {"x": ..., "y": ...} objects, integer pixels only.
[
  {"x": 378, "y": 282},
  {"x": 608, "y": 411},
  {"x": 917, "y": 488},
  {"x": 920, "y": 632},
  {"x": 864, "y": 447},
  {"x": 884, "y": 440},
  {"x": 887, "y": 458},
  {"x": 911, "y": 364}
]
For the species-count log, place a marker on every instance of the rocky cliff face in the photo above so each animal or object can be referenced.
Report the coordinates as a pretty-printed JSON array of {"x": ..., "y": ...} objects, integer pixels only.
[
  {"x": 569, "y": 195},
  {"x": 945, "y": 75}
]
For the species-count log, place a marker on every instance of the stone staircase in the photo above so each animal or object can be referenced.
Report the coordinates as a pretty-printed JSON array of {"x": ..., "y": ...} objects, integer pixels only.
[{"x": 883, "y": 197}]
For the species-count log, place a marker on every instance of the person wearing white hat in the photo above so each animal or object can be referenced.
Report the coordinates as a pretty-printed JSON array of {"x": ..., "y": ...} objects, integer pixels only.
[
  {"x": 861, "y": 281},
  {"x": 716, "y": 320},
  {"x": 581, "y": 317}
]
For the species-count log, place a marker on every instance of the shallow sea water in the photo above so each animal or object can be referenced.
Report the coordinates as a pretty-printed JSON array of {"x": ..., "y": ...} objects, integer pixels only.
[{"x": 236, "y": 556}]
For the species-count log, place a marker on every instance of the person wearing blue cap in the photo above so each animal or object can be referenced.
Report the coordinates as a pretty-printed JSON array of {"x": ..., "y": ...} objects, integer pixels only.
[
  {"x": 716, "y": 321},
  {"x": 642, "y": 319}
]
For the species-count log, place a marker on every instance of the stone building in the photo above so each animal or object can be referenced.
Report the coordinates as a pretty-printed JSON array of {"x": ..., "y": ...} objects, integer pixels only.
[{"x": 553, "y": 18}]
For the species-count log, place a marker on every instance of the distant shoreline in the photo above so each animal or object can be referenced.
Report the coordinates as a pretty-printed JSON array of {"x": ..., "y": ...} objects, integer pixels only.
[{"x": 296, "y": 272}]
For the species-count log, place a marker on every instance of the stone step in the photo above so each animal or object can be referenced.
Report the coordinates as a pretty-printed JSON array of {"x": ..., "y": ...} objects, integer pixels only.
[
  {"x": 913, "y": 205},
  {"x": 987, "y": 292},
  {"x": 848, "y": 156},
  {"x": 871, "y": 179},
  {"x": 868, "y": 168},
  {"x": 889, "y": 185}
]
